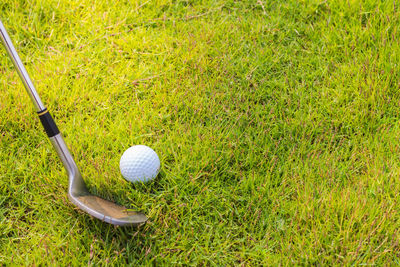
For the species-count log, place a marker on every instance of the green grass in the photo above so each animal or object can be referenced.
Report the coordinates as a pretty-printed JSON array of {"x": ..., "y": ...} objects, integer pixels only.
[{"x": 277, "y": 124}]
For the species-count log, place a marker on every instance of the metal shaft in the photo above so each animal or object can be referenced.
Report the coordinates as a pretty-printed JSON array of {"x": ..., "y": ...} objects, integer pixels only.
[
  {"x": 45, "y": 117},
  {"x": 30, "y": 88}
]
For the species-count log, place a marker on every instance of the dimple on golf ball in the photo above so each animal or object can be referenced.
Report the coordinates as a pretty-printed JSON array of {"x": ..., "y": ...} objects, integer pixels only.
[{"x": 139, "y": 163}]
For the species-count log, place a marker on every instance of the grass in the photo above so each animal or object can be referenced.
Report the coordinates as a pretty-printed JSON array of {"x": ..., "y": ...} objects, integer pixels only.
[{"x": 277, "y": 124}]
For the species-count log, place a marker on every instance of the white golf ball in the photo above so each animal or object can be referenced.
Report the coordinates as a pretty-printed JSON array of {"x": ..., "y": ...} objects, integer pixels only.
[{"x": 139, "y": 163}]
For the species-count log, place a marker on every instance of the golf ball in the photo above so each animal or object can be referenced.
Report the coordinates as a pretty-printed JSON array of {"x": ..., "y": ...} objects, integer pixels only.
[{"x": 139, "y": 163}]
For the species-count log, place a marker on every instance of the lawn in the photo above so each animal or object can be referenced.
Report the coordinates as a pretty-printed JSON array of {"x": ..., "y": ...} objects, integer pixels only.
[{"x": 276, "y": 122}]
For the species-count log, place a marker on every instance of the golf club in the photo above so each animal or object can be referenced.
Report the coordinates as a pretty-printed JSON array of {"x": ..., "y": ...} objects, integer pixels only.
[{"x": 102, "y": 209}]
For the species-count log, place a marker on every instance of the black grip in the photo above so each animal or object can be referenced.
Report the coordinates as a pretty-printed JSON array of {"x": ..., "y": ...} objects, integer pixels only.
[{"x": 48, "y": 123}]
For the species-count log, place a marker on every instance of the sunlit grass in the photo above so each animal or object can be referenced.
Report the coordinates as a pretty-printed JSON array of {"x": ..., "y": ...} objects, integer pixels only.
[{"x": 276, "y": 124}]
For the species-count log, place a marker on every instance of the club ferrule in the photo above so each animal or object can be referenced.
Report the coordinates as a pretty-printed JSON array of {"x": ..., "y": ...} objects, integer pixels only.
[{"x": 48, "y": 123}]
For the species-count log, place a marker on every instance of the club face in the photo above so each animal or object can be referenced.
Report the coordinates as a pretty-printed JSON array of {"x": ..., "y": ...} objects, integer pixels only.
[{"x": 108, "y": 211}]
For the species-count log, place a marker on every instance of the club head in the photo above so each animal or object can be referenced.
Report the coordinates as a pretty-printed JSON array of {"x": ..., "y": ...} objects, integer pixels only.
[
  {"x": 99, "y": 208},
  {"x": 102, "y": 209},
  {"x": 108, "y": 211},
  {"x": 78, "y": 194}
]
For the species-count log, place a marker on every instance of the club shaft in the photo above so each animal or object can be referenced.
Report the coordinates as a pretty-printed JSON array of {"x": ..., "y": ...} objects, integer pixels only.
[
  {"x": 46, "y": 119},
  {"x": 30, "y": 88}
]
